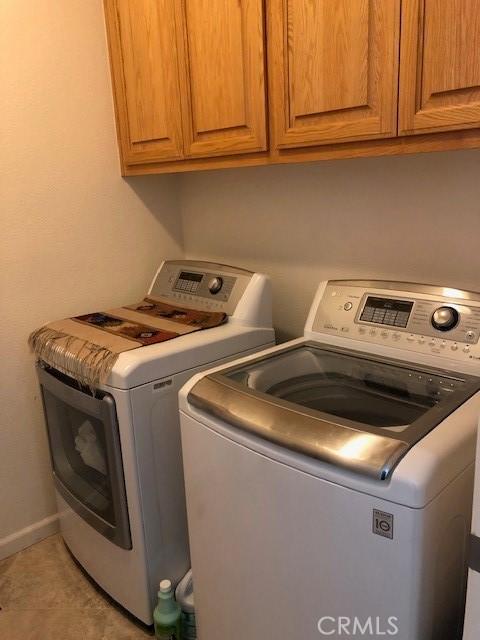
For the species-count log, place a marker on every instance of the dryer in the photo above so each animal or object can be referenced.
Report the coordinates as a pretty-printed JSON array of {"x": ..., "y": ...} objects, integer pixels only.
[
  {"x": 329, "y": 480},
  {"x": 122, "y": 502}
]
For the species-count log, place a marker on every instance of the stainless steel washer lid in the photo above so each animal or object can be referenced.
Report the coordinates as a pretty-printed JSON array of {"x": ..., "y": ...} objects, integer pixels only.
[{"x": 345, "y": 408}]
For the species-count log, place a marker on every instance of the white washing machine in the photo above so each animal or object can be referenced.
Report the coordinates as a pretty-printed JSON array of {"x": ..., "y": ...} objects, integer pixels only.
[
  {"x": 472, "y": 614},
  {"x": 122, "y": 508},
  {"x": 329, "y": 480}
]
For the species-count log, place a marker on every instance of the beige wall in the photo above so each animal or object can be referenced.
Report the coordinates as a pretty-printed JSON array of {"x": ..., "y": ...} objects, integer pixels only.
[
  {"x": 74, "y": 235},
  {"x": 414, "y": 218}
]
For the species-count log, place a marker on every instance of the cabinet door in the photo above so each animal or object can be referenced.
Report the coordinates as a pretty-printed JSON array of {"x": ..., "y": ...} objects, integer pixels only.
[
  {"x": 224, "y": 77},
  {"x": 144, "y": 60},
  {"x": 333, "y": 68},
  {"x": 439, "y": 65}
]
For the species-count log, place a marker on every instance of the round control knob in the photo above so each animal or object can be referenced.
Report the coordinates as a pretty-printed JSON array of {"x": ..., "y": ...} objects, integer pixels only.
[
  {"x": 445, "y": 318},
  {"x": 215, "y": 285}
]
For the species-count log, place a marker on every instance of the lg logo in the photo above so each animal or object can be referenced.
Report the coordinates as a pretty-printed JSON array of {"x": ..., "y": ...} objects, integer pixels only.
[{"x": 383, "y": 524}]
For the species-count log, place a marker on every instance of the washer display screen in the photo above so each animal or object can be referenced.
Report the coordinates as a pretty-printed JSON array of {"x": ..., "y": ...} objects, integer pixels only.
[{"x": 394, "y": 313}]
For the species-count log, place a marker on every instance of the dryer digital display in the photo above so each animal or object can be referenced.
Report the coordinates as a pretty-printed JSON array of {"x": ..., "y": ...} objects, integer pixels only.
[
  {"x": 188, "y": 281},
  {"x": 394, "y": 313}
]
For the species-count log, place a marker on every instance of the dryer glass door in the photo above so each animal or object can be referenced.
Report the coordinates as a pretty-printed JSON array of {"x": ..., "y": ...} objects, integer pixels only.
[{"x": 86, "y": 454}]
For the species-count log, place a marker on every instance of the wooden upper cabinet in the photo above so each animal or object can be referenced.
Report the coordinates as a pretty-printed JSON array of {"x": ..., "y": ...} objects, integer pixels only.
[
  {"x": 144, "y": 60},
  {"x": 188, "y": 76},
  {"x": 440, "y": 65},
  {"x": 189, "y": 79},
  {"x": 333, "y": 70},
  {"x": 224, "y": 76}
]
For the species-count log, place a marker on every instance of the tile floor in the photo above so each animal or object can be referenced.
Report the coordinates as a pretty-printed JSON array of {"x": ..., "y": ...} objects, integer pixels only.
[{"x": 44, "y": 595}]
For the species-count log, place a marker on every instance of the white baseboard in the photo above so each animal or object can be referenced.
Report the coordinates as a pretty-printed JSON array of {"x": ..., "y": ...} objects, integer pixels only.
[{"x": 28, "y": 536}]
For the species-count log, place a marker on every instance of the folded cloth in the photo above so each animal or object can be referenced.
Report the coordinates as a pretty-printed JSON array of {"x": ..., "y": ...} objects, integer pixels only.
[
  {"x": 89, "y": 448},
  {"x": 87, "y": 347}
]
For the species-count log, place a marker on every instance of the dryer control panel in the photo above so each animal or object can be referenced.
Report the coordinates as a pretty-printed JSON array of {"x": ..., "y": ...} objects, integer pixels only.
[
  {"x": 422, "y": 318},
  {"x": 200, "y": 285}
]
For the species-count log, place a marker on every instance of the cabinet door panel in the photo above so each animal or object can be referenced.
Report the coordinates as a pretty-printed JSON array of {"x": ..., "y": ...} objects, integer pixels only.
[
  {"x": 143, "y": 44},
  {"x": 333, "y": 68},
  {"x": 224, "y": 65},
  {"x": 440, "y": 65}
]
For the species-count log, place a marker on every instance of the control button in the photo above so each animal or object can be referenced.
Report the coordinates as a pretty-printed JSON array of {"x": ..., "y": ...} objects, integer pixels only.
[
  {"x": 454, "y": 347},
  {"x": 421, "y": 340},
  {"x": 347, "y": 306},
  {"x": 445, "y": 318},
  {"x": 215, "y": 285},
  {"x": 410, "y": 338},
  {"x": 470, "y": 336},
  {"x": 443, "y": 345},
  {"x": 466, "y": 348},
  {"x": 432, "y": 343}
]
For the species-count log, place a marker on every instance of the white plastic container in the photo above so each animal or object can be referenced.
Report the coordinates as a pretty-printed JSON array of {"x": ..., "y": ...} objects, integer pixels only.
[{"x": 184, "y": 597}]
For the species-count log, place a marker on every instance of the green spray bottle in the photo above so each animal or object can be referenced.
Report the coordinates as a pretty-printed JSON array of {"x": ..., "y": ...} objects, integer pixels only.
[{"x": 167, "y": 614}]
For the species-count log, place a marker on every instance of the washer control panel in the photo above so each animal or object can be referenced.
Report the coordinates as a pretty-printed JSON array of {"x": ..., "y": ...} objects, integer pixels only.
[
  {"x": 205, "y": 284},
  {"x": 386, "y": 311},
  {"x": 200, "y": 285},
  {"x": 422, "y": 318}
]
